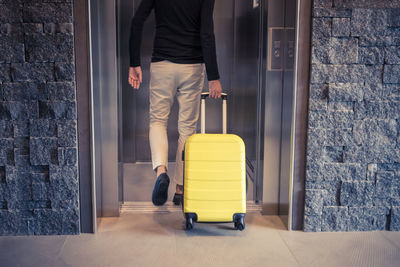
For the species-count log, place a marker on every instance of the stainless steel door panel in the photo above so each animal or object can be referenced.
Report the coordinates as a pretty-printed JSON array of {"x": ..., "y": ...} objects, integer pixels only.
[
  {"x": 287, "y": 108},
  {"x": 278, "y": 108},
  {"x": 104, "y": 102},
  {"x": 224, "y": 39},
  {"x": 126, "y": 95},
  {"x": 244, "y": 89}
]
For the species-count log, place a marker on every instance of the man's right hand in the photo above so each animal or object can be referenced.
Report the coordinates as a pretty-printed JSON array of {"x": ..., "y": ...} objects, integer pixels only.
[
  {"x": 135, "y": 77},
  {"x": 215, "y": 88}
]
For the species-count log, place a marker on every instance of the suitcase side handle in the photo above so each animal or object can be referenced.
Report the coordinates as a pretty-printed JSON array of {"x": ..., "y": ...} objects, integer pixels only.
[{"x": 204, "y": 96}]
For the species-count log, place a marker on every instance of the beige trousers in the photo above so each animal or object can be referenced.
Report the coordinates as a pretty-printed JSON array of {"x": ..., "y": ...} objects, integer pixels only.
[{"x": 168, "y": 79}]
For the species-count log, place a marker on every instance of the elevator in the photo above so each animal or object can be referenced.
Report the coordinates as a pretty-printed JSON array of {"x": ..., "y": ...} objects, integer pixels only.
[{"x": 256, "y": 44}]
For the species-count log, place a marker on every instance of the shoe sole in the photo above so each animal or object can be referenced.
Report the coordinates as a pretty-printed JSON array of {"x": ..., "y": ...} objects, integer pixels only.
[{"x": 161, "y": 194}]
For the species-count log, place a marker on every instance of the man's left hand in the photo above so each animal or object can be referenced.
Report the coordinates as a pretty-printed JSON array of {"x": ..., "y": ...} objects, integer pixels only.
[{"x": 135, "y": 77}]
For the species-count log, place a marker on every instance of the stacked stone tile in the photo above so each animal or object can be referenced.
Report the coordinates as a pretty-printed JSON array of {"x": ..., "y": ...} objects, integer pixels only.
[
  {"x": 39, "y": 187},
  {"x": 353, "y": 147}
]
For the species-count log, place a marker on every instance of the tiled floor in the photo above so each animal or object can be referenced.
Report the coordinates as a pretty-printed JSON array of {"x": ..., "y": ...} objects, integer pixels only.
[{"x": 159, "y": 240}]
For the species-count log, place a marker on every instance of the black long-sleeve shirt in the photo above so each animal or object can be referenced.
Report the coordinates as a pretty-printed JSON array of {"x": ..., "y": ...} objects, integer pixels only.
[{"x": 184, "y": 33}]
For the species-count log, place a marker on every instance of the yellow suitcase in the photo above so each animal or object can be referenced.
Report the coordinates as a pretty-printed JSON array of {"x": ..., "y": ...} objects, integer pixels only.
[{"x": 214, "y": 176}]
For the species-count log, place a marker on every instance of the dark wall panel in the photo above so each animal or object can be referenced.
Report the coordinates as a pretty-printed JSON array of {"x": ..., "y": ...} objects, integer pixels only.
[
  {"x": 353, "y": 148},
  {"x": 39, "y": 181}
]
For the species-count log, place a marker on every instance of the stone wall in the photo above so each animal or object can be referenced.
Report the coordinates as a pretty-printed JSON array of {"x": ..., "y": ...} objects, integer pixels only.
[
  {"x": 353, "y": 148},
  {"x": 39, "y": 187}
]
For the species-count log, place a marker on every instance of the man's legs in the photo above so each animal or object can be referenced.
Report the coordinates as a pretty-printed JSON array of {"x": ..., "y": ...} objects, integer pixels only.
[
  {"x": 162, "y": 91},
  {"x": 191, "y": 83}
]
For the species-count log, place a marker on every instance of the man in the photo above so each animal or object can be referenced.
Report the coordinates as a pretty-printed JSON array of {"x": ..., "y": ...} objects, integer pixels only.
[{"x": 184, "y": 45}]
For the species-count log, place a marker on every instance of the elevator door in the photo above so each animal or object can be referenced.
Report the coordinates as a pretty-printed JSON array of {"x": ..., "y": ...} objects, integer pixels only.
[{"x": 236, "y": 27}]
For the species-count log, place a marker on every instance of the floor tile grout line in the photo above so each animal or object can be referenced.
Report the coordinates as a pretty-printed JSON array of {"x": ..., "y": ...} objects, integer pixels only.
[
  {"x": 62, "y": 247},
  {"x": 291, "y": 252},
  {"x": 58, "y": 258},
  {"x": 390, "y": 241}
]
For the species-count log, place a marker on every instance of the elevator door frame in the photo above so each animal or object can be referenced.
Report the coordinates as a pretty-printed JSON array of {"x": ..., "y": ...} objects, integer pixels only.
[{"x": 104, "y": 119}]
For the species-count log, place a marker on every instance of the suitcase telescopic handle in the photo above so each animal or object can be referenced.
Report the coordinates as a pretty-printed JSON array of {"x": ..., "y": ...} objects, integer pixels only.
[{"x": 204, "y": 96}]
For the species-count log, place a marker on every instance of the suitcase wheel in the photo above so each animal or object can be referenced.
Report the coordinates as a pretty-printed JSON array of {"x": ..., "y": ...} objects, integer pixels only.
[
  {"x": 239, "y": 222},
  {"x": 189, "y": 224},
  {"x": 190, "y": 219},
  {"x": 240, "y": 226}
]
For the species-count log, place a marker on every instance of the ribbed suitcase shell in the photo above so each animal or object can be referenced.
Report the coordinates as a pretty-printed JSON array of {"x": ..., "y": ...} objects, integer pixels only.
[{"x": 214, "y": 177}]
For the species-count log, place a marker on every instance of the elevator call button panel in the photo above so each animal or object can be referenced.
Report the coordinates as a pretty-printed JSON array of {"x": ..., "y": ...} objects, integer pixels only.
[{"x": 281, "y": 48}]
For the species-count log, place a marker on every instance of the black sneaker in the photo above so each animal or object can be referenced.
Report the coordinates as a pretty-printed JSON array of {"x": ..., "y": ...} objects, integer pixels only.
[
  {"x": 178, "y": 199},
  {"x": 160, "y": 191}
]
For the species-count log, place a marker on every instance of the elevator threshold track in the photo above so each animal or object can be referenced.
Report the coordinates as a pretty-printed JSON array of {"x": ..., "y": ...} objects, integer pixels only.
[{"x": 148, "y": 207}]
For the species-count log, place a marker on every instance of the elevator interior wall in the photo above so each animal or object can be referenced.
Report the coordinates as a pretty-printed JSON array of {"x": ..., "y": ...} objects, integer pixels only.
[{"x": 236, "y": 27}]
